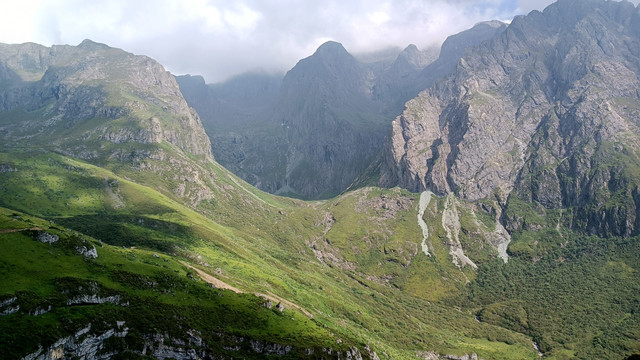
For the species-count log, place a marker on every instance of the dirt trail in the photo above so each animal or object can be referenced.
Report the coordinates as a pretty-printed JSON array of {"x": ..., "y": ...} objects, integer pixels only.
[
  {"x": 277, "y": 299},
  {"x": 6, "y": 231},
  {"x": 221, "y": 284},
  {"x": 212, "y": 280}
]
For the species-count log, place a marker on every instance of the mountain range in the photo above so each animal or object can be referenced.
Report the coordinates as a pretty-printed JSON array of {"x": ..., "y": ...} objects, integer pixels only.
[
  {"x": 476, "y": 202},
  {"x": 312, "y": 134}
]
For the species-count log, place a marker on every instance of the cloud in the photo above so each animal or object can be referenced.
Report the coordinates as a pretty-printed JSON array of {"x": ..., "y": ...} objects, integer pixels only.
[{"x": 219, "y": 38}]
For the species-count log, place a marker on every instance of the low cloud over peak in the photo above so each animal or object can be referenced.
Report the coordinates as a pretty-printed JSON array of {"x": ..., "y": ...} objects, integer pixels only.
[{"x": 219, "y": 39}]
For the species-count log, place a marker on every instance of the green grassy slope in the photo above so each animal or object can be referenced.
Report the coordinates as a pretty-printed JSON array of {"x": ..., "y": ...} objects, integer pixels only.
[
  {"x": 259, "y": 244},
  {"x": 157, "y": 295}
]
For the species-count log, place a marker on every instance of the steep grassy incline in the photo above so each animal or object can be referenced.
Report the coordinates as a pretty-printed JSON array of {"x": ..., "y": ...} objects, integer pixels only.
[
  {"x": 256, "y": 243},
  {"x": 114, "y": 300}
]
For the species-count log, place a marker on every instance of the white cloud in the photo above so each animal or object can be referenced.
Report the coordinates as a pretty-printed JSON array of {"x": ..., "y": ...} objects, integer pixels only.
[
  {"x": 219, "y": 38},
  {"x": 378, "y": 18},
  {"x": 241, "y": 18}
]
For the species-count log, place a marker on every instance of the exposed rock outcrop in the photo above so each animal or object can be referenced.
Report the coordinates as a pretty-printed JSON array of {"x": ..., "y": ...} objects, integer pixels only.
[
  {"x": 546, "y": 112},
  {"x": 46, "y": 238},
  {"x": 86, "y": 344},
  {"x": 316, "y": 131},
  {"x": 63, "y": 86},
  {"x": 81, "y": 345}
]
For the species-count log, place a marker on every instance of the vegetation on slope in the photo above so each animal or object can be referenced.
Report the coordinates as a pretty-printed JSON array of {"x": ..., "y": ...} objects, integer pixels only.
[
  {"x": 257, "y": 244},
  {"x": 154, "y": 295}
]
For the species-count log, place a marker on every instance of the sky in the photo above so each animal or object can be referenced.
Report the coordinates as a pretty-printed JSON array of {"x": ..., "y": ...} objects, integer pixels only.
[{"x": 222, "y": 38}]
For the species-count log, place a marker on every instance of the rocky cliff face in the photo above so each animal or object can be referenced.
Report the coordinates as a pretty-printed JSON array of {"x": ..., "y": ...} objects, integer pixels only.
[
  {"x": 546, "y": 112},
  {"x": 52, "y": 90},
  {"x": 108, "y": 107},
  {"x": 331, "y": 127},
  {"x": 309, "y": 136},
  {"x": 312, "y": 134}
]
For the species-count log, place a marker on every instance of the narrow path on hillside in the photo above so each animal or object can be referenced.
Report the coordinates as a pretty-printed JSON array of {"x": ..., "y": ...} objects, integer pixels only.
[
  {"x": 5, "y": 231},
  {"x": 223, "y": 285},
  {"x": 212, "y": 280},
  {"x": 230, "y": 176},
  {"x": 278, "y": 299},
  {"x": 425, "y": 199}
]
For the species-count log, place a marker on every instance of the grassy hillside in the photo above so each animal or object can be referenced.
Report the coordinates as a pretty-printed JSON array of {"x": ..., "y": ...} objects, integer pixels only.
[
  {"x": 258, "y": 244},
  {"x": 146, "y": 294}
]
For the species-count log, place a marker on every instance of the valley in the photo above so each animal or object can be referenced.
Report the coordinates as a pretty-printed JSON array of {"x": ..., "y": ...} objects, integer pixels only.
[{"x": 481, "y": 203}]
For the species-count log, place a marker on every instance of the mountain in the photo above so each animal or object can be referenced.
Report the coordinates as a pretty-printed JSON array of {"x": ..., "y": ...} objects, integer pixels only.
[
  {"x": 410, "y": 73},
  {"x": 545, "y": 113},
  {"x": 541, "y": 122},
  {"x": 313, "y": 134},
  {"x": 453, "y": 49},
  {"x": 331, "y": 127},
  {"x": 122, "y": 237},
  {"x": 313, "y": 138},
  {"x": 229, "y": 111},
  {"x": 88, "y": 82},
  {"x": 230, "y": 103}
]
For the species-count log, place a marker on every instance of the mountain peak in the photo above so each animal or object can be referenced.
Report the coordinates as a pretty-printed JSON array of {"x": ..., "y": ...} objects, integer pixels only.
[
  {"x": 414, "y": 57},
  {"x": 412, "y": 48},
  {"x": 331, "y": 47},
  {"x": 90, "y": 44},
  {"x": 496, "y": 24}
]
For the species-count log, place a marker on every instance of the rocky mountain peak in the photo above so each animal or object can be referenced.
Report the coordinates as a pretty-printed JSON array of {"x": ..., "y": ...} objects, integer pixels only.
[
  {"x": 197, "y": 80},
  {"x": 412, "y": 56},
  {"x": 92, "y": 45},
  {"x": 455, "y": 45},
  {"x": 331, "y": 61},
  {"x": 331, "y": 48},
  {"x": 532, "y": 114},
  {"x": 141, "y": 100},
  {"x": 330, "y": 73}
]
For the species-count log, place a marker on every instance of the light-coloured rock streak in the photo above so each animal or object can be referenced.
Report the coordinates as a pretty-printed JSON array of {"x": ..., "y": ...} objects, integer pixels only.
[
  {"x": 501, "y": 238},
  {"x": 425, "y": 199},
  {"x": 451, "y": 224}
]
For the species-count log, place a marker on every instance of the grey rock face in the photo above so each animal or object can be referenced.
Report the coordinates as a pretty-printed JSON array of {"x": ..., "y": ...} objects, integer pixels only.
[
  {"x": 547, "y": 111},
  {"x": 94, "y": 299},
  {"x": 452, "y": 50},
  {"x": 86, "y": 345},
  {"x": 87, "y": 252},
  {"x": 319, "y": 131},
  {"x": 64, "y": 86},
  {"x": 316, "y": 131},
  {"x": 7, "y": 306},
  {"x": 81, "y": 345},
  {"x": 45, "y": 237}
]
